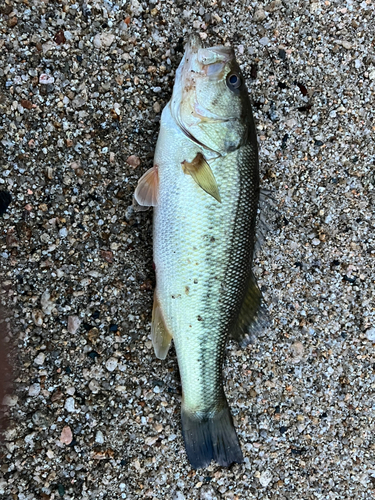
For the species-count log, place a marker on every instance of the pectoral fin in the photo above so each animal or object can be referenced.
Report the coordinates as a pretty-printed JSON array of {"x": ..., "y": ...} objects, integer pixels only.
[
  {"x": 147, "y": 190},
  {"x": 201, "y": 172},
  {"x": 253, "y": 316},
  {"x": 161, "y": 337}
]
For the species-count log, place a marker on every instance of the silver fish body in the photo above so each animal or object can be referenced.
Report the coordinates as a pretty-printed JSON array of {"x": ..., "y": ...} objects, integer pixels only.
[{"x": 204, "y": 242}]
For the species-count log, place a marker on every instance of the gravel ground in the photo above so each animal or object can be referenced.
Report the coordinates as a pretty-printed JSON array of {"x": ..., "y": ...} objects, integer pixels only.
[{"x": 93, "y": 414}]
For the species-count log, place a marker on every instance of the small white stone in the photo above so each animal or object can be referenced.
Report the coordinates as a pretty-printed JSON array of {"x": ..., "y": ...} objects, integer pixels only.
[
  {"x": 94, "y": 386},
  {"x": 315, "y": 241},
  {"x": 265, "y": 478},
  {"x": 259, "y": 16},
  {"x": 370, "y": 334},
  {"x": 99, "y": 438},
  {"x": 69, "y": 404},
  {"x": 10, "y": 400},
  {"x": 46, "y": 303},
  {"x": 264, "y": 41},
  {"x": 39, "y": 360},
  {"x": 111, "y": 364},
  {"x": 63, "y": 233},
  {"x": 34, "y": 390},
  {"x": 151, "y": 440},
  {"x": 73, "y": 324},
  {"x": 372, "y": 75},
  {"x": 37, "y": 316}
]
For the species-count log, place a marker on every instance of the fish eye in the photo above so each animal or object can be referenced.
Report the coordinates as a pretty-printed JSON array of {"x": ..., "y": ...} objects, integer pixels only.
[{"x": 233, "y": 81}]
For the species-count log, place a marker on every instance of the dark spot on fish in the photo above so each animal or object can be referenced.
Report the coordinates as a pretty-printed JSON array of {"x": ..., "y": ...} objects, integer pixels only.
[
  {"x": 282, "y": 85},
  {"x": 253, "y": 71},
  {"x": 302, "y": 88},
  {"x": 5, "y": 200},
  {"x": 195, "y": 281},
  {"x": 199, "y": 318},
  {"x": 187, "y": 290},
  {"x": 212, "y": 239},
  {"x": 282, "y": 54}
]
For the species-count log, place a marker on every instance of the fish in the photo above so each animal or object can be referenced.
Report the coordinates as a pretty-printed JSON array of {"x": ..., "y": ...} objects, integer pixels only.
[{"x": 204, "y": 189}]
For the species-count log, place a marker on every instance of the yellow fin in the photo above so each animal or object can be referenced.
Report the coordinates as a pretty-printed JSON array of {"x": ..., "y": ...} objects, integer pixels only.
[
  {"x": 161, "y": 337},
  {"x": 201, "y": 172},
  {"x": 253, "y": 316},
  {"x": 147, "y": 190}
]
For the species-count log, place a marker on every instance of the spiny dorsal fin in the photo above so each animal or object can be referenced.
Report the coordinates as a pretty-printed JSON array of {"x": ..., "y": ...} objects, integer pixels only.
[
  {"x": 147, "y": 190},
  {"x": 201, "y": 172},
  {"x": 253, "y": 316},
  {"x": 161, "y": 337}
]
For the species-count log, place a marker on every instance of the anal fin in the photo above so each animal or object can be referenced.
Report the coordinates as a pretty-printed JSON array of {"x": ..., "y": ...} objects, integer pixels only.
[
  {"x": 160, "y": 335},
  {"x": 253, "y": 316}
]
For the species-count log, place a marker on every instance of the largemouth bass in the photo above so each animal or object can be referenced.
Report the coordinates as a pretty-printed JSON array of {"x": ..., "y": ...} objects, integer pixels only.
[{"x": 204, "y": 187}]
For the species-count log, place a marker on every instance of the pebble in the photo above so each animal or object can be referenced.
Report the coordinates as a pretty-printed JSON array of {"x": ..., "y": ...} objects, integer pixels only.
[
  {"x": 39, "y": 359},
  {"x": 34, "y": 390},
  {"x": 370, "y": 334},
  {"x": 47, "y": 304},
  {"x": 70, "y": 404},
  {"x": 73, "y": 324},
  {"x": 259, "y": 16},
  {"x": 46, "y": 79},
  {"x": 99, "y": 437},
  {"x": 133, "y": 161},
  {"x": 111, "y": 364},
  {"x": 94, "y": 386},
  {"x": 66, "y": 436},
  {"x": 265, "y": 478},
  {"x": 103, "y": 40},
  {"x": 264, "y": 41},
  {"x": 37, "y": 316},
  {"x": 10, "y": 400}
]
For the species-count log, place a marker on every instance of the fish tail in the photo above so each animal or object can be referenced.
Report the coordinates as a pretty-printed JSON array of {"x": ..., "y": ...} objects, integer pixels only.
[{"x": 210, "y": 437}]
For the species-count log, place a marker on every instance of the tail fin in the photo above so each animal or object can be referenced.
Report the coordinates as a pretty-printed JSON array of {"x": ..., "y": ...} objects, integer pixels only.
[{"x": 210, "y": 438}]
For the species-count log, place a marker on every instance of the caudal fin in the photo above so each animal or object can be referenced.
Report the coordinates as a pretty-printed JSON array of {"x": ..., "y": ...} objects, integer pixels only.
[{"x": 210, "y": 438}]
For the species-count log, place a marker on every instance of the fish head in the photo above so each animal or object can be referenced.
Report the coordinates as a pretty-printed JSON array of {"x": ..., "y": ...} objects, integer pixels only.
[{"x": 210, "y": 101}]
